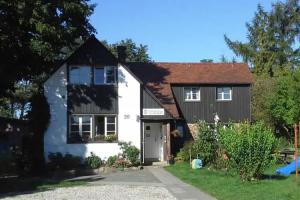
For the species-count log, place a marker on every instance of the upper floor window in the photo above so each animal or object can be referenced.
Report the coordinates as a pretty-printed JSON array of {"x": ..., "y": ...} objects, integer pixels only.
[
  {"x": 192, "y": 94},
  {"x": 224, "y": 93},
  {"x": 104, "y": 75},
  {"x": 80, "y": 75}
]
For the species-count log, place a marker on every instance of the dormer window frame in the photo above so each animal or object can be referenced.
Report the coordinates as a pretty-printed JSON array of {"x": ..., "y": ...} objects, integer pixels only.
[{"x": 92, "y": 75}]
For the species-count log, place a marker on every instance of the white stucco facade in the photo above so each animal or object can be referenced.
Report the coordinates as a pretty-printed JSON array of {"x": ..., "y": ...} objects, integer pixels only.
[
  {"x": 129, "y": 107},
  {"x": 128, "y": 123}
]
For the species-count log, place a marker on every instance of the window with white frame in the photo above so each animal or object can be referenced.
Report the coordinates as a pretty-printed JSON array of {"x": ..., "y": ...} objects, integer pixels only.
[
  {"x": 81, "y": 127},
  {"x": 224, "y": 93},
  {"x": 89, "y": 128},
  {"x": 105, "y": 125},
  {"x": 104, "y": 75},
  {"x": 192, "y": 94},
  {"x": 80, "y": 75}
]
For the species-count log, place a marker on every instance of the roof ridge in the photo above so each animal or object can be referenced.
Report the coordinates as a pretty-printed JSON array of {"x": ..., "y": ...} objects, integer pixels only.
[{"x": 204, "y": 63}]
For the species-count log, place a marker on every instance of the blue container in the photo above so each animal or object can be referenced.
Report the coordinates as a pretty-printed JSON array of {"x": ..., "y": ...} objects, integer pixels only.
[{"x": 197, "y": 164}]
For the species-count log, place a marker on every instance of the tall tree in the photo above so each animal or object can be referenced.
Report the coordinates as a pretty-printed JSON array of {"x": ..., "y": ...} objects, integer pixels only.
[
  {"x": 134, "y": 52},
  {"x": 272, "y": 38},
  {"x": 34, "y": 33}
]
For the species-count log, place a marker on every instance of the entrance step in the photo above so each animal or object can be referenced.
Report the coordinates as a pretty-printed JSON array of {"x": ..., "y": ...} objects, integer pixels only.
[{"x": 160, "y": 164}]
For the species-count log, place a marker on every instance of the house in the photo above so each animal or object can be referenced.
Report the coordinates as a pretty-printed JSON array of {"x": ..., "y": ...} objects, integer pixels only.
[{"x": 97, "y": 99}]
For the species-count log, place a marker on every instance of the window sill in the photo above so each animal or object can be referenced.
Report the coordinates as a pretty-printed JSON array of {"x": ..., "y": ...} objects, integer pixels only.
[
  {"x": 92, "y": 142},
  {"x": 192, "y": 101},
  {"x": 223, "y": 100}
]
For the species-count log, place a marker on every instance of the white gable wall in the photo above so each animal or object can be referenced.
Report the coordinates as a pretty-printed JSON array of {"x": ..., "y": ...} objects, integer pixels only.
[
  {"x": 129, "y": 107},
  {"x": 55, "y": 139}
]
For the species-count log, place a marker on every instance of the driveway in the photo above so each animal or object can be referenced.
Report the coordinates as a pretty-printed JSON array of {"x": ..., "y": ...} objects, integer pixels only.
[{"x": 152, "y": 183}]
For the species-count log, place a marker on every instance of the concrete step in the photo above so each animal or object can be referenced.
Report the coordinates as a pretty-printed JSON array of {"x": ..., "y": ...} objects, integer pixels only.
[{"x": 161, "y": 163}]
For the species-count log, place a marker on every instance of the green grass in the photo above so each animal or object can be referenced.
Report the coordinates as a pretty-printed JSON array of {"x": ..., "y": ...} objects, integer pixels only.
[
  {"x": 224, "y": 186},
  {"x": 28, "y": 184}
]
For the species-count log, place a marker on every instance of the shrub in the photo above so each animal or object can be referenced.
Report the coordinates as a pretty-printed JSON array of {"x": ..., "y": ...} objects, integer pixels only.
[
  {"x": 7, "y": 164},
  {"x": 64, "y": 162},
  {"x": 121, "y": 163},
  {"x": 130, "y": 152},
  {"x": 111, "y": 160},
  {"x": 184, "y": 153},
  {"x": 249, "y": 148},
  {"x": 206, "y": 144},
  {"x": 93, "y": 161}
]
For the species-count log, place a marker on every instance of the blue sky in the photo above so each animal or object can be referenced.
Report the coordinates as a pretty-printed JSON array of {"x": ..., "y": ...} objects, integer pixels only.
[{"x": 176, "y": 30}]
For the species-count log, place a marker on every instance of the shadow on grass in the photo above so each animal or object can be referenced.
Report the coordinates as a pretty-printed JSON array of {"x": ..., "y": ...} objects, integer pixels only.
[
  {"x": 27, "y": 185},
  {"x": 273, "y": 177}
]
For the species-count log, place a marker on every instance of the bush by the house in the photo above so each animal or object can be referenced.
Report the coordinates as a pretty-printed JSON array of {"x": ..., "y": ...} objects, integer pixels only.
[
  {"x": 121, "y": 163},
  {"x": 111, "y": 161},
  {"x": 184, "y": 153},
  {"x": 7, "y": 164},
  {"x": 249, "y": 148},
  {"x": 206, "y": 144},
  {"x": 93, "y": 161},
  {"x": 63, "y": 162},
  {"x": 130, "y": 152}
]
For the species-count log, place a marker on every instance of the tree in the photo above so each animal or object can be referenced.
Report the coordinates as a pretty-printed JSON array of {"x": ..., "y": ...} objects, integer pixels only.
[
  {"x": 134, "y": 52},
  {"x": 284, "y": 102},
  {"x": 271, "y": 39},
  {"x": 34, "y": 35}
]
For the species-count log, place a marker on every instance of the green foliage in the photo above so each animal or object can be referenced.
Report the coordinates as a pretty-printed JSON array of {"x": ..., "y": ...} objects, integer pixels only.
[
  {"x": 226, "y": 186},
  {"x": 272, "y": 38},
  {"x": 111, "y": 160},
  {"x": 7, "y": 164},
  {"x": 284, "y": 103},
  {"x": 110, "y": 138},
  {"x": 93, "y": 161},
  {"x": 34, "y": 34},
  {"x": 205, "y": 146},
  {"x": 184, "y": 153},
  {"x": 250, "y": 148},
  {"x": 57, "y": 161},
  {"x": 130, "y": 152},
  {"x": 134, "y": 52},
  {"x": 259, "y": 103},
  {"x": 206, "y": 143}
]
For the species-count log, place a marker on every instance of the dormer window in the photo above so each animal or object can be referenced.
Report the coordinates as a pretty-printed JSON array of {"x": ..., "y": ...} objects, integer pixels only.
[
  {"x": 80, "y": 75},
  {"x": 104, "y": 75}
]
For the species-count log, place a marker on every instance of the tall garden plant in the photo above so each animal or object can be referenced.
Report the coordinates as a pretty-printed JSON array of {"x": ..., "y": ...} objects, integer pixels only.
[{"x": 249, "y": 148}]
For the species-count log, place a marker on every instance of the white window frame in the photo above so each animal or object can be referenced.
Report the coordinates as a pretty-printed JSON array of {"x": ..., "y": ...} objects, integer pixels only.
[
  {"x": 80, "y": 124},
  {"x": 105, "y": 69},
  {"x": 191, "y": 93},
  {"x": 106, "y": 123},
  {"x": 222, "y": 93}
]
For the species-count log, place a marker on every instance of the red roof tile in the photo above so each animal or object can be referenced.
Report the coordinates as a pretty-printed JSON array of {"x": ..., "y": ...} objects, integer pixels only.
[{"x": 158, "y": 77}]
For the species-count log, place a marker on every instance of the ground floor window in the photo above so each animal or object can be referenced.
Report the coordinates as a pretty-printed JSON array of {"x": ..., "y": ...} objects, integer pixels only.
[{"x": 92, "y": 128}]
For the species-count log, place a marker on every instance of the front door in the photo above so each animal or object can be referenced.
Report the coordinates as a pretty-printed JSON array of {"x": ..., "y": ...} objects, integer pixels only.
[{"x": 153, "y": 137}]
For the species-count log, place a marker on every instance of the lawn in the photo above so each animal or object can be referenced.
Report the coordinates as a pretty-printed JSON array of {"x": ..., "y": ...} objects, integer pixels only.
[
  {"x": 224, "y": 186},
  {"x": 9, "y": 185}
]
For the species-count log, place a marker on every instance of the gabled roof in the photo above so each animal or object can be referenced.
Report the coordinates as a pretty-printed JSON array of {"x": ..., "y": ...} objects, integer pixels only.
[{"x": 158, "y": 77}]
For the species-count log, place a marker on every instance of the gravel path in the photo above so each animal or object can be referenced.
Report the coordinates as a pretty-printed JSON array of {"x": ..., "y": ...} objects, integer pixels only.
[{"x": 103, "y": 192}]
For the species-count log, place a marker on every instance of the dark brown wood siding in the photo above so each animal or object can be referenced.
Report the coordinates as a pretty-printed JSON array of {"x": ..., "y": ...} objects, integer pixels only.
[
  {"x": 150, "y": 102},
  {"x": 94, "y": 99},
  {"x": 238, "y": 109}
]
